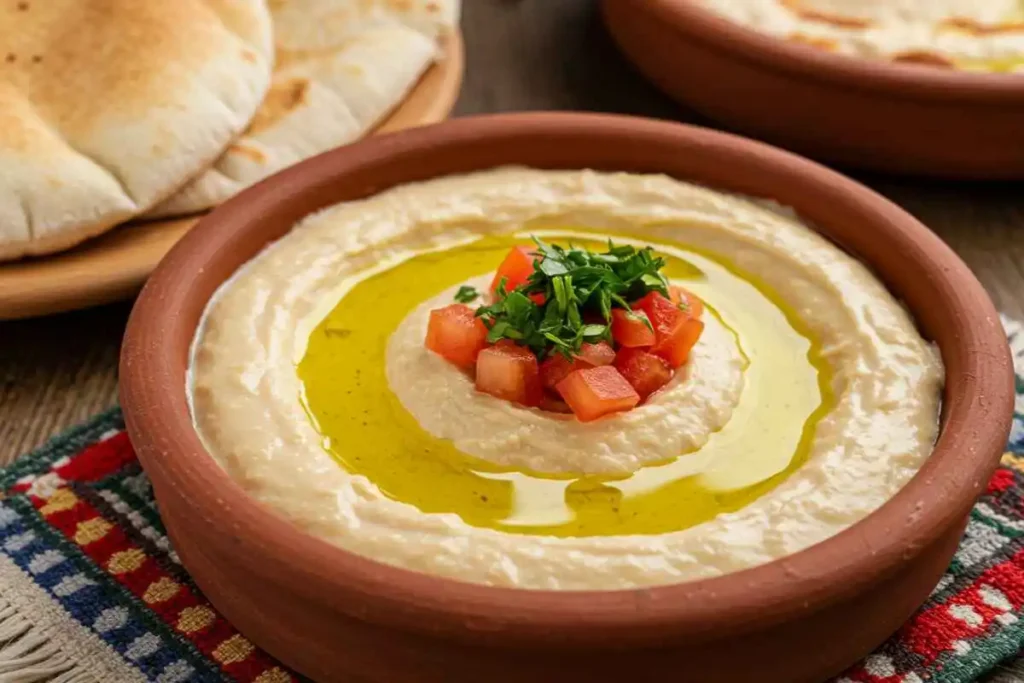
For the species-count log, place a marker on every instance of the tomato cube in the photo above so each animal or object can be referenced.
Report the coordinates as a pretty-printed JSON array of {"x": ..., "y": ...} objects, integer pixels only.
[
  {"x": 554, "y": 369},
  {"x": 687, "y": 301},
  {"x": 509, "y": 371},
  {"x": 675, "y": 346},
  {"x": 456, "y": 334},
  {"x": 630, "y": 329},
  {"x": 644, "y": 371},
  {"x": 662, "y": 313},
  {"x": 557, "y": 367},
  {"x": 516, "y": 269},
  {"x": 597, "y": 354},
  {"x": 596, "y": 392}
]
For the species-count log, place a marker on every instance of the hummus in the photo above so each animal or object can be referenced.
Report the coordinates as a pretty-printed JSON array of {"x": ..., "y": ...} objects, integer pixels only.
[
  {"x": 978, "y": 35},
  {"x": 808, "y": 402},
  {"x": 678, "y": 419}
]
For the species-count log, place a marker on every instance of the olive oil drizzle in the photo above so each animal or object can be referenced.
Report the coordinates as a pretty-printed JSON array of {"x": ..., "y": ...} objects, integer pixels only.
[{"x": 369, "y": 432}]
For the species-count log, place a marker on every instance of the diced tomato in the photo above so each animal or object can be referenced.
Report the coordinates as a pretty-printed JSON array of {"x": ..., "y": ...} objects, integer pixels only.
[
  {"x": 456, "y": 334},
  {"x": 686, "y": 300},
  {"x": 554, "y": 369},
  {"x": 644, "y": 371},
  {"x": 557, "y": 367},
  {"x": 516, "y": 269},
  {"x": 509, "y": 371},
  {"x": 595, "y": 392},
  {"x": 676, "y": 344},
  {"x": 662, "y": 313},
  {"x": 629, "y": 329},
  {"x": 597, "y": 354}
]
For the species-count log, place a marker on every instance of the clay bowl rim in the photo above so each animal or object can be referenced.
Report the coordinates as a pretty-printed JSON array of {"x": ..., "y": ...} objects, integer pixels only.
[
  {"x": 937, "y": 497},
  {"x": 902, "y": 81}
]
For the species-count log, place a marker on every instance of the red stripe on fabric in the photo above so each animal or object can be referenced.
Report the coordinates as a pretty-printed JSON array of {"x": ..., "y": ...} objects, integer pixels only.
[
  {"x": 1000, "y": 481},
  {"x": 934, "y": 631},
  {"x": 99, "y": 460},
  {"x": 972, "y": 597},
  {"x": 1008, "y": 578},
  {"x": 140, "y": 571}
]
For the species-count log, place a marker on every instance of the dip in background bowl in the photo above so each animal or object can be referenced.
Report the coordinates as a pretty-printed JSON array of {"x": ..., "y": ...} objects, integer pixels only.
[{"x": 865, "y": 112}]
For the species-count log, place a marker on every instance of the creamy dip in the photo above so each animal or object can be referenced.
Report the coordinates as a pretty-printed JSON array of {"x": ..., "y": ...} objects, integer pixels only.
[
  {"x": 311, "y": 387},
  {"x": 978, "y": 35},
  {"x": 678, "y": 419}
]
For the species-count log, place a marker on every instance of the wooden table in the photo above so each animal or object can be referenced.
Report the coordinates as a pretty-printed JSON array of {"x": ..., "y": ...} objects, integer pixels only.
[{"x": 521, "y": 54}]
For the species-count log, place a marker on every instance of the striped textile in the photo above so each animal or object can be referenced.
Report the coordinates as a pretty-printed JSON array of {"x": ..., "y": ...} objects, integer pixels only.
[{"x": 91, "y": 590}]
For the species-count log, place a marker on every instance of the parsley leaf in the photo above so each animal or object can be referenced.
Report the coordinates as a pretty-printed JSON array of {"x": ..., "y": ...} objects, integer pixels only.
[
  {"x": 466, "y": 294},
  {"x": 577, "y": 290}
]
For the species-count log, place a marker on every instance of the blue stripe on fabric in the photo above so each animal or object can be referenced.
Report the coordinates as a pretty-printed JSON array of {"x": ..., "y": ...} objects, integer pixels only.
[{"x": 98, "y": 603}]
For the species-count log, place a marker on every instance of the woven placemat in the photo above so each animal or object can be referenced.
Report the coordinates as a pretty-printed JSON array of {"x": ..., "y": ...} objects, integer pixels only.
[{"x": 91, "y": 590}]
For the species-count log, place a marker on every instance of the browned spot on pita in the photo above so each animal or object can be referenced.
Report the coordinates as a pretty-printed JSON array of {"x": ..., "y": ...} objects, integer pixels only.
[
  {"x": 249, "y": 152},
  {"x": 284, "y": 58},
  {"x": 977, "y": 28},
  {"x": 22, "y": 6},
  {"x": 826, "y": 44},
  {"x": 923, "y": 57},
  {"x": 797, "y": 8},
  {"x": 36, "y": 59},
  {"x": 281, "y": 100},
  {"x": 11, "y": 58}
]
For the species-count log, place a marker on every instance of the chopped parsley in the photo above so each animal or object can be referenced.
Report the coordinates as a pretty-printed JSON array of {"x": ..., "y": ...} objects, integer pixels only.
[
  {"x": 466, "y": 294},
  {"x": 579, "y": 289}
]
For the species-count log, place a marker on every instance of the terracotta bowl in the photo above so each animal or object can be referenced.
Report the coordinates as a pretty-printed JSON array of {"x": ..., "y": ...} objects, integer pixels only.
[
  {"x": 336, "y": 616},
  {"x": 869, "y": 114}
]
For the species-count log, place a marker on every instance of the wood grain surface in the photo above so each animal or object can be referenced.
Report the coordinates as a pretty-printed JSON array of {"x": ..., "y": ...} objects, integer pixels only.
[{"x": 521, "y": 55}]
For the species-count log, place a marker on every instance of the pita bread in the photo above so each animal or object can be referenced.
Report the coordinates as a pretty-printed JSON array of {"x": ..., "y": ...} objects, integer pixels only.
[
  {"x": 109, "y": 106},
  {"x": 327, "y": 23},
  {"x": 342, "y": 66}
]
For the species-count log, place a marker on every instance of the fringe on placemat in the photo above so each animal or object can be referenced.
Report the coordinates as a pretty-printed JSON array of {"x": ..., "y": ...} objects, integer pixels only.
[{"x": 28, "y": 656}]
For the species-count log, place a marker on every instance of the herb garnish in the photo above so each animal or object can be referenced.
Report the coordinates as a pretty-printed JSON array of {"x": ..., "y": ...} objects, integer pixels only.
[
  {"x": 579, "y": 289},
  {"x": 466, "y": 294}
]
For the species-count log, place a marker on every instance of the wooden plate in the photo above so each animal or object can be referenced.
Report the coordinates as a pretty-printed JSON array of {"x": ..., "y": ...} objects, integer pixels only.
[{"x": 115, "y": 265}]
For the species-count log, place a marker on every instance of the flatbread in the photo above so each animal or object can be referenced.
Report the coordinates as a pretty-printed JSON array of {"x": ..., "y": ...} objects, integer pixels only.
[
  {"x": 342, "y": 66},
  {"x": 109, "y": 106},
  {"x": 320, "y": 24}
]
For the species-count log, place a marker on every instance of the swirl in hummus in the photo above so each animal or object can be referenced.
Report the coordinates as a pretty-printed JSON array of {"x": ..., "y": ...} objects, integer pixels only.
[
  {"x": 974, "y": 35},
  {"x": 807, "y": 402}
]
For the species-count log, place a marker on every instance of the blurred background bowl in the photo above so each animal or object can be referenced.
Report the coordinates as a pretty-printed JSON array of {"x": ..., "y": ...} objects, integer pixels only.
[{"x": 869, "y": 114}]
